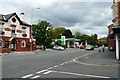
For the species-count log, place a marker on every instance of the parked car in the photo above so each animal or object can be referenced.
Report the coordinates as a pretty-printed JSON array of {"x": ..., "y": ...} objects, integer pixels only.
[
  {"x": 58, "y": 48},
  {"x": 82, "y": 47},
  {"x": 89, "y": 47}
]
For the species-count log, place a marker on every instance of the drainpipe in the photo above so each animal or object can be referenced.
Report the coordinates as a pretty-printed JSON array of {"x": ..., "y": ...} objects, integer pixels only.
[{"x": 117, "y": 46}]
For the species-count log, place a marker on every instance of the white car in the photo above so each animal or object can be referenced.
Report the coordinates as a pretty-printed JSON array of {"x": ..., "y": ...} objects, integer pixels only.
[
  {"x": 58, "y": 48},
  {"x": 89, "y": 47}
]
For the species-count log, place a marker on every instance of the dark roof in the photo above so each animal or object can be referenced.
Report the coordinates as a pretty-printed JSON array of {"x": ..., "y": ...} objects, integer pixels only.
[
  {"x": 8, "y": 16},
  {"x": 1, "y": 17}
]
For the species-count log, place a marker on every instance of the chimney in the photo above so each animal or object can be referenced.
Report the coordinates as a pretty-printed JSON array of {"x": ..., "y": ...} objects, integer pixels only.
[{"x": 22, "y": 16}]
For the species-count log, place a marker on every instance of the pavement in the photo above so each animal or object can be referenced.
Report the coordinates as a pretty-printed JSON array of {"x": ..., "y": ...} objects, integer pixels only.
[
  {"x": 106, "y": 58},
  {"x": 23, "y": 52}
]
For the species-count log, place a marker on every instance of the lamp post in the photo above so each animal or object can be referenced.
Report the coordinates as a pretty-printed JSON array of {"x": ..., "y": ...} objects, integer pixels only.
[{"x": 31, "y": 28}]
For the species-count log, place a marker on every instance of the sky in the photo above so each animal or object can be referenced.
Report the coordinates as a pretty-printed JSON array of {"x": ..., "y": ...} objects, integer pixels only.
[{"x": 85, "y": 16}]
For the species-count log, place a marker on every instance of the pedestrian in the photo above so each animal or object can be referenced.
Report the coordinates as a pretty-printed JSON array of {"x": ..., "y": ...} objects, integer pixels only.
[{"x": 103, "y": 48}]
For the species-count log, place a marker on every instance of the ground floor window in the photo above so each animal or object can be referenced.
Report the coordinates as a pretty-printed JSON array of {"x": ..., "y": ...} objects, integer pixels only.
[
  {"x": 1, "y": 43},
  {"x": 23, "y": 43}
]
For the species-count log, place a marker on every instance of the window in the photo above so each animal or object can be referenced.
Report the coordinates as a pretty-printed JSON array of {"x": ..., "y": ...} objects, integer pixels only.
[
  {"x": 1, "y": 43},
  {"x": 23, "y": 43},
  {"x": 24, "y": 31},
  {"x": 13, "y": 29},
  {"x": 1, "y": 29}
]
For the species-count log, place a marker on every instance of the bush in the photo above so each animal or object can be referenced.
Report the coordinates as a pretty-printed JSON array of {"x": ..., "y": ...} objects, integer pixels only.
[{"x": 64, "y": 46}]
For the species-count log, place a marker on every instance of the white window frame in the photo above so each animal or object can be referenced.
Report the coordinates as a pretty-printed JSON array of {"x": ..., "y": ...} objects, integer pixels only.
[{"x": 23, "y": 43}]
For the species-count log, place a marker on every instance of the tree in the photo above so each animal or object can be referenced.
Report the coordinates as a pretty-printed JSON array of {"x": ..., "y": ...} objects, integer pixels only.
[
  {"x": 78, "y": 35},
  {"x": 91, "y": 39},
  {"x": 40, "y": 32},
  {"x": 57, "y": 32},
  {"x": 67, "y": 33}
]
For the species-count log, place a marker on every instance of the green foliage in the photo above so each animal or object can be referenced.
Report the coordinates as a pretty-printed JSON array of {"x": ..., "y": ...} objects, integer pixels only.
[
  {"x": 67, "y": 33},
  {"x": 92, "y": 39},
  {"x": 78, "y": 35},
  {"x": 57, "y": 32},
  {"x": 41, "y": 32}
]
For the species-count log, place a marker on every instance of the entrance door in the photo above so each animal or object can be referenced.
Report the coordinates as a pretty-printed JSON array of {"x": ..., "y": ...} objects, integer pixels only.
[{"x": 13, "y": 43}]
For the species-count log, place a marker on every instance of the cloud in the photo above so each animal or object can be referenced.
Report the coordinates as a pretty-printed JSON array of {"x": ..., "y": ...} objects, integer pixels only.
[{"x": 87, "y": 17}]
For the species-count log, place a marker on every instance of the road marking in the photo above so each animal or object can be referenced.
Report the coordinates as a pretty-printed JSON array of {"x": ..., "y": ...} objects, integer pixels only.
[
  {"x": 41, "y": 71},
  {"x": 86, "y": 55},
  {"x": 66, "y": 62},
  {"x": 50, "y": 68},
  {"x": 55, "y": 66},
  {"x": 95, "y": 76},
  {"x": 35, "y": 77},
  {"x": 27, "y": 76},
  {"x": 71, "y": 61},
  {"x": 47, "y": 72},
  {"x": 62, "y": 64},
  {"x": 104, "y": 65}
]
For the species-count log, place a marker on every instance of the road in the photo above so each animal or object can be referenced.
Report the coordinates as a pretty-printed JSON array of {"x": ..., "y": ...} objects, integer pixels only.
[{"x": 54, "y": 64}]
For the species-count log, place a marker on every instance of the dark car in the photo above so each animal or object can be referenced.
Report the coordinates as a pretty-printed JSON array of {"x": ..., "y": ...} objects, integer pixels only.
[{"x": 89, "y": 47}]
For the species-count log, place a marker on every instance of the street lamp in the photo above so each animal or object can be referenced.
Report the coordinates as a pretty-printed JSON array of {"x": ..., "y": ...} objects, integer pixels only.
[{"x": 31, "y": 28}]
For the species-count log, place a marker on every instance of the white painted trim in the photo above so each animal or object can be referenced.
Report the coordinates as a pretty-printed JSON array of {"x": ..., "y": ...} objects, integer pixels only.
[{"x": 117, "y": 46}]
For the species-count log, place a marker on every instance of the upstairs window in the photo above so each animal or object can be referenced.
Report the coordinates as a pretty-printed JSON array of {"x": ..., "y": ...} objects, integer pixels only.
[{"x": 13, "y": 29}]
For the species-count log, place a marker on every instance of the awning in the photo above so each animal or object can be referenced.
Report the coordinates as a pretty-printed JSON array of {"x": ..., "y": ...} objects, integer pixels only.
[{"x": 116, "y": 29}]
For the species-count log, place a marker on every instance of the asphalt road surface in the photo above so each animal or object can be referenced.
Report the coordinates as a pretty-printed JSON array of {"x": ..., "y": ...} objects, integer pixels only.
[{"x": 55, "y": 64}]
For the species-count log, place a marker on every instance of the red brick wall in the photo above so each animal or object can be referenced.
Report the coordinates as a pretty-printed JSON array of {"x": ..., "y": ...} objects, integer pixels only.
[
  {"x": 111, "y": 43},
  {"x": 19, "y": 48},
  {"x": 110, "y": 29},
  {"x": 18, "y": 45},
  {"x": 119, "y": 13}
]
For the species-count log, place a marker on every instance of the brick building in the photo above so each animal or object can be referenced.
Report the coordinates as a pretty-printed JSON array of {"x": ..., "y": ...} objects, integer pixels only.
[
  {"x": 111, "y": 38},
  {"x": 15, "y": 34},
  {"x": 114, "y": 29}
]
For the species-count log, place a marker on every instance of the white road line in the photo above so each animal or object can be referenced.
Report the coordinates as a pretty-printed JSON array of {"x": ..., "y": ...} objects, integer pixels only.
[
  {"x": 55, "y": 66},
  {"x": 71, "y": 61},
  {"x": 35, "y": 77},
  {"x": 50, "y": 68},
  {"x": 86, "y": 55},
  {"x": 62, "y": 64},
  {"x": 27, "y": 76},
  {"x": 95, "y": 76},
  {"x": 47, "y": 72},
  {"x": 41, "y": 71},
  {"x": 66, "y": 62}
]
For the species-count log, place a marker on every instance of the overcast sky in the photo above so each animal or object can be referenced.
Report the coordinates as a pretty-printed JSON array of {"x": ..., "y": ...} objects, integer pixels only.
[{"x": 85, "y": 16}]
